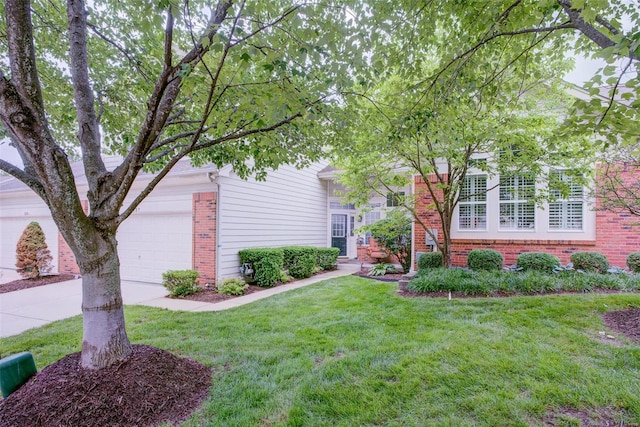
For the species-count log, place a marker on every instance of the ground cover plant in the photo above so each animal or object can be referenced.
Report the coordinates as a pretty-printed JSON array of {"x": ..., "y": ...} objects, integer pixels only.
[
  {"x": 480, "y": 282},
  {"x": 351, "y": 351}
]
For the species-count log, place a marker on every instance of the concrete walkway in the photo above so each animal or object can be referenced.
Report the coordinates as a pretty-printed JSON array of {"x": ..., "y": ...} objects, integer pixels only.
[{"x": 34, "y": 307}]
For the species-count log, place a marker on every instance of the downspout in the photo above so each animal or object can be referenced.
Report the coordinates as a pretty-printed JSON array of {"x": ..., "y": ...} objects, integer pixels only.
[
  {"x": 214, "y": 178},
  {"x": 413, "y": 227}
]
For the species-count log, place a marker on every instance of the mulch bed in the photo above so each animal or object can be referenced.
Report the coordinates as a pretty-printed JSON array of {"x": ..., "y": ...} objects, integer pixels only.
[
  {"x": 590, "y": 417},
  {"x": 386, "y": 278},
  {"x": 149, "y": 388},
  {"x": 624, "y": 322},
  {"x": 211, "y": 295},
  {"x": 17, "y": 285}
]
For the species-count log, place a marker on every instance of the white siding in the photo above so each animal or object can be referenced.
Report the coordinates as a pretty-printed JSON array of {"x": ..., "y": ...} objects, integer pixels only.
[
  {"x": 289, "y": 208},
  {"x": 15, "y": 214}
]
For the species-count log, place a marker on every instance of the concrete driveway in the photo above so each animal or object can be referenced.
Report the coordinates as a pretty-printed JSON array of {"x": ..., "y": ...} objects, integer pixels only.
[{"x": 34, "y": 307}]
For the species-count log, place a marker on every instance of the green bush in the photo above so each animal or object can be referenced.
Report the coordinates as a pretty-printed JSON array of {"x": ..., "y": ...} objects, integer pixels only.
[
  {"x": 284, "y": 276},
  {"x": 327, "y": 258},
  {"x": 267, "y": 263},
  {"x": 430, "y": 260},
  {"x": 591, "y": 262},
  {"x": 633, "y": 262},
  {"x": 181, "y": 283},
  {"x": 485, "y": 259},
  {"x": 381, "y": 269},
  {"x": 538, "y": 261},
  {"x": 300, "y": 260},
  {"x": 232, "y": 286}
]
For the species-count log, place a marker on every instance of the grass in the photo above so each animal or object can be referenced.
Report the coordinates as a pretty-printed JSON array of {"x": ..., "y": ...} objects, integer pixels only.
[
  {"x": 529, "y": 282},
  {"x": 349, "y": 351}
]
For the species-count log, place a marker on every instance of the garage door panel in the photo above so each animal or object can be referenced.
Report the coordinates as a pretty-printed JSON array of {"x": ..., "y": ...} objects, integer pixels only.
[{"x": 149, "y": 245}]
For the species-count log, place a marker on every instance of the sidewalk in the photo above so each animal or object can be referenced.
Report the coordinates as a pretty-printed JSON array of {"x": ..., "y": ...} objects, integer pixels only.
[{"x": 35, "y": 307}]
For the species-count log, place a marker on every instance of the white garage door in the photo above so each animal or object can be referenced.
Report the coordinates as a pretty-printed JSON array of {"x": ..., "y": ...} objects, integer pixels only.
[
  {"x": 150, "y": 243},
  {"x": 12, "y": 228}
]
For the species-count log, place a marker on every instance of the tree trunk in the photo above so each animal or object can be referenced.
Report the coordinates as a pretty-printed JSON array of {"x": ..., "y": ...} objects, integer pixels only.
[{"x": 104, "y": 339}]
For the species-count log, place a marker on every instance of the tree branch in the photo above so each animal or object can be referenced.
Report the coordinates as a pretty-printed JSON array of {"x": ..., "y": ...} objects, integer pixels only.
[
  {"x": 29, "y": 180},
  {"x": 89, "y": 131}
]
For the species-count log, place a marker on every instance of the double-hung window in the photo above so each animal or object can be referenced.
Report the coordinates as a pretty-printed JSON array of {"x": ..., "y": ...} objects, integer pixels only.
[
  {"x": 394, "y": 199},
  {"x": 567, "y": 207},
  {"x": 472, "y": 205},
  {"x": 517, "y": 208}
]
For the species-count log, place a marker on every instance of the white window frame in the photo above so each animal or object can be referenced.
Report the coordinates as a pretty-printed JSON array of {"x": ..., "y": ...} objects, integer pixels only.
[
  {"x": 523, "y": 208},
  {"x": 473, "y": 196},
  {"x": 562, "y": 208}
]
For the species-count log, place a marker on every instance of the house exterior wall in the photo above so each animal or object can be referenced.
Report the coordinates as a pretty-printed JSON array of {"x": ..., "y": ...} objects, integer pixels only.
[
  {"x": 289, "y": 208},
  {"x": 615, "y": 235}
]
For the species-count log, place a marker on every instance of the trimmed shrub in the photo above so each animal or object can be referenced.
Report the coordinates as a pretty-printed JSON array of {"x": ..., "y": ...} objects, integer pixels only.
[
  {"x": 181, "y": 283},
  {"x": 267, "y": 263},
  {"x": 32, "y": 254},
  {"x": 232, "y": 286},
  {"x": 300, "y": 260},
  {"x": 327, "y": 258},
  {"x": 430, "y": 260},
  {"x": 485, "y": 259},
  {"x": 633, "y": 262},
  {"x": 591, "y": 262},
  {"x": 538, "y": 261}
]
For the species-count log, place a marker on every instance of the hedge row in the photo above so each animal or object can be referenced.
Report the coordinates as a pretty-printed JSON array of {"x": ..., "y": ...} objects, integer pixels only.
[
  {"x": 267, "y": 264},
  {"x": 488, "y": 259}
]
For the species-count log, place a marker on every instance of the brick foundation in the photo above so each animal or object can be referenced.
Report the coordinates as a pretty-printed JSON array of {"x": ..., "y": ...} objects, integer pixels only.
[{"x": 204, "y": 236}]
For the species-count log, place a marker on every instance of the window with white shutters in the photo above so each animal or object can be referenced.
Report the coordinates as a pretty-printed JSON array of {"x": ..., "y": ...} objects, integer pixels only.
[
  {"x": 566, "y": 211},
  {"x": 473, "y": 203},
  {"x": 517, "y": 209}
]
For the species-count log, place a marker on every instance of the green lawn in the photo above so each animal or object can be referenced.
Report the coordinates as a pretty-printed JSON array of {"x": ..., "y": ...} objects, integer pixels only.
[{"x": 351, "y": 352}]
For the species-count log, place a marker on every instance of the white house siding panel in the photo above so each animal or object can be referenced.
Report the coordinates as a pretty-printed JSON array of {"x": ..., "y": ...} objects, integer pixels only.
[
  {"x": 15, "y": 214},
  {"x": 289, "y": 208}
]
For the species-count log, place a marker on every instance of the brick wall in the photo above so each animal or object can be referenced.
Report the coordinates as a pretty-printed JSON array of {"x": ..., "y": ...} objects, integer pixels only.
[
  {"x": 617, "y": 235},
  {"x": 204, "y": 236},
  {"x": 365, "y": 252},
  {"x": 66, "y": 259}
]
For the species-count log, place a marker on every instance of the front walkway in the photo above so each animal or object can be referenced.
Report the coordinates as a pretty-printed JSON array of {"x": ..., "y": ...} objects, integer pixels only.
[{"x": 35, "y": 307}]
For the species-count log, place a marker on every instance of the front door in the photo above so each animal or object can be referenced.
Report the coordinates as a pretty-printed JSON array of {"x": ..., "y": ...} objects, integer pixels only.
[{"x": 339, "y": 233}]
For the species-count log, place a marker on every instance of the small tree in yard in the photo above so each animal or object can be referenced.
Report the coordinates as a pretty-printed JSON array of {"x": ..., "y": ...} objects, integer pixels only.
[
  {"x": 32, "y": 254},
  {"x": 394, "y": 234},
  {"x": 223, "y": 82}
]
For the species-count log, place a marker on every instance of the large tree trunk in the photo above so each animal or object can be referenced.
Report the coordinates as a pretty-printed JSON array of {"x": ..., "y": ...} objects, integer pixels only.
[{"x": 104, "y": 336}]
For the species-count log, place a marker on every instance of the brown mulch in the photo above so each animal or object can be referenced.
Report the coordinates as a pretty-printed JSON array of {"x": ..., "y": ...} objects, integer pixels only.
[
  {"x": 149, "y": 388},
  {"x": 386, "y": 278},
  {"x": 17, "y": 285},
  {"x": 211, "y": 295},
  {"x": 592, "y": 417},
  {"x": 624, "y": 322}
]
